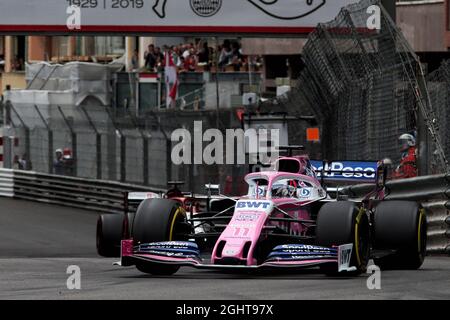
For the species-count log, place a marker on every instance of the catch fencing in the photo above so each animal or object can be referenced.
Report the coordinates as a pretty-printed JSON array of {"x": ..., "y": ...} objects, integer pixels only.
[
  {"x": 93, "y": 142},
  {"x": 96, "y": 143},
  {"x": 439, "y": 88},
  {"x": 366, "y": 88}
]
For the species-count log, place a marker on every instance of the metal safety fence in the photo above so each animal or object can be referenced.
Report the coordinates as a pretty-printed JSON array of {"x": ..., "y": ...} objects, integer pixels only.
[
  {"x": 90, "y": 141},
  {"x": 89, "y": 194},
  {"x": 87, "y": 142},
  {"x": 439, "y": 88},
  {"x": 366, "y": 87}
]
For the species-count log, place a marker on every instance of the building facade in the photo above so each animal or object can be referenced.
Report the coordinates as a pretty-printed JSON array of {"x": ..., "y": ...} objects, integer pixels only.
[{"x": 425, "y": 23}]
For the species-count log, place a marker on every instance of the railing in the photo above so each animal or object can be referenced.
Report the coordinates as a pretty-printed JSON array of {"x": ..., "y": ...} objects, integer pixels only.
[
  {"x": 433, "y": 192},
  {"x": 97, "y": 195}
]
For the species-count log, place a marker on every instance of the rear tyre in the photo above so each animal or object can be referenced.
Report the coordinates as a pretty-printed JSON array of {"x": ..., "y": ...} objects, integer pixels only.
[
  {"x": 158, "y": 220},
  {"x": 400, "y": 227},
  {"x": 344, "y": 222},
  {"x": 109, "y": 235}
]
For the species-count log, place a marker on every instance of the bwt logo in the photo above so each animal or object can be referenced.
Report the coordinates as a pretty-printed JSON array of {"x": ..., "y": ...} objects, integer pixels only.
[
  {"x": 253, "y": 205},
  {"x": 73, "y": 21}
]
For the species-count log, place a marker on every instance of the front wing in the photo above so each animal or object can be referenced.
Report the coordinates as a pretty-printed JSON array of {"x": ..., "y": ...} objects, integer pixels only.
[{"x": 294, "y": 256}]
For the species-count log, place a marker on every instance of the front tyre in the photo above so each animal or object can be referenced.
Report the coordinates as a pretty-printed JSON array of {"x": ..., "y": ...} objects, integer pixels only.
[
  {"x": 158, "y": 220},
  {"x": 340, "y": 223}
]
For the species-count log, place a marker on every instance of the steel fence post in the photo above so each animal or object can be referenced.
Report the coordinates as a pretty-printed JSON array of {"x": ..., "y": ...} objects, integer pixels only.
[
  {"x": 145, "y": 160},
  {"x": 123, "y": 158}
]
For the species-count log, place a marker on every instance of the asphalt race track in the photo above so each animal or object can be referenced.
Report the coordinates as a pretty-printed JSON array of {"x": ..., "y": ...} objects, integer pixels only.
[{"x": 38, "y": 242}]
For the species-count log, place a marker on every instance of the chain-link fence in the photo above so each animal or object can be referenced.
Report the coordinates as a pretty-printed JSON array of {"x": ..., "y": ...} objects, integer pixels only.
[
  {"x": 94, "y": 143},
  {"x": 365, "y": 87},
  {"x": 91, "y": 143},
  {"x": 439, "y": 88}
]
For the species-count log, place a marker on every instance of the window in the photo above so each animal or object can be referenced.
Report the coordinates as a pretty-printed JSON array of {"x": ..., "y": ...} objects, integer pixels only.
[
  {"x": 19, "y": 55},
  {"x": 109, "y": 46}
]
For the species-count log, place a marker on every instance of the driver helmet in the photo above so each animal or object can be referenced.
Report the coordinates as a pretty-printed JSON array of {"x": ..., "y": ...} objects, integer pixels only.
[{"x": 407, "y": 141}]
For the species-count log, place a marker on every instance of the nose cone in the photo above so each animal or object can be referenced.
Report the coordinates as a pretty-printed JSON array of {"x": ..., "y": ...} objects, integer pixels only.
[
  {"x": 237, "y": 242},
  {"x": 236, "y": 248},
  {"x": 288, "y": 9}
]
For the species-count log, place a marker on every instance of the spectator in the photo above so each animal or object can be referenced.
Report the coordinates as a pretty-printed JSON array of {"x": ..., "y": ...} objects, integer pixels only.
[
  {"x": 68, "y": 162},
  {"x": 185, "y": 51},
  {"x": 24, "y": 163},
  {"x": 150, "y": 59},
  {"x": 237, "y": 57},
  {"x": 204, "y": 54},
  {"x": 408, "y": 164},
  {"x": 159, "y": 57},
  {"x": 190, "y": 62},
  {"x": 176, "y": 56},
  {"x": 58, "y": 164},
  {"x": 225, "y": 54}
]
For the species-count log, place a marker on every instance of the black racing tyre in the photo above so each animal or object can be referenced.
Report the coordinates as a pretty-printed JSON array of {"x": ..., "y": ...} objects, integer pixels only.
[
  {"x": 109, "y": 235},
  {"x": 400, "y": 227},
  {"x": 158, "y": 220},
  {"x": 344, "y": 222}
]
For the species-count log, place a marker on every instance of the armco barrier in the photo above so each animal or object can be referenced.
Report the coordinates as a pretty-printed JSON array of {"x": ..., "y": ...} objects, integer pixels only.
[
  {"x": 434, "y": 194},
  {"x": 108, "y": 196},
  {"x": 101, "y": 196},
  {"x": 6, "y": 183},
  {"x": 420, "y": 189}
]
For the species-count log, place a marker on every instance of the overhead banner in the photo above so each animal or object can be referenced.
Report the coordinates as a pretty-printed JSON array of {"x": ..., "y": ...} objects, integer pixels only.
[{"x": 167, "y": 16}]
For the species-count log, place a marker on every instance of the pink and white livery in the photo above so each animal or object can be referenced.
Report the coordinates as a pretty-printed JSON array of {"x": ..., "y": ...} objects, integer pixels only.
[{"x": 286, "y": 220}]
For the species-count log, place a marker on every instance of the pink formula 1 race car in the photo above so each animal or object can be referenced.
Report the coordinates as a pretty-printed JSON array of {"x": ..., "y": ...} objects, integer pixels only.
[{"x": 287, "y": 220}]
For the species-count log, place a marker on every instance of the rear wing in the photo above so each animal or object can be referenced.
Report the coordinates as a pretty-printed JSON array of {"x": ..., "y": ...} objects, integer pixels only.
[
  {"x": 132, "y": 200},
  {"x": 346, "y": 171},
  {"x": 142, "y": 195}
]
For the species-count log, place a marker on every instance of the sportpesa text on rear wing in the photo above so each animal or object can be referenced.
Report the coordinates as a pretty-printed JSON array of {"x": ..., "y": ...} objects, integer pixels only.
[{"x": 346, "y": 171}]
